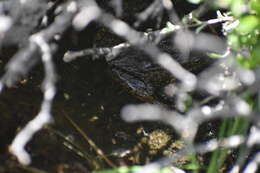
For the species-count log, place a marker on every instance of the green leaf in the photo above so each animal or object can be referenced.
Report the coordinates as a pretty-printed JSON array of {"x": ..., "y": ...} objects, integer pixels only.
[
  {"x": 248, "y": 24},
  {"x": 237, "y": 7},
  {"x": 255, "y": 5},
  {"x": 244, "y": 62},
  {"x": 191, "y": 166},
  {"x": 120, "y": 170},
  {"x": 254, "y": 60},
  {"x": 130, "y": 170},
  {"x": 256, "y": 55},
  {"x": 233, "y": 41},
  {"x": 215, "y": 55},
  {"x": 223, "y": 3}
]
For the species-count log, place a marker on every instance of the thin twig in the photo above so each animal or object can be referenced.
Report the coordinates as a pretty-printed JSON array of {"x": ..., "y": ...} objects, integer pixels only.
[{"x": 90, "y": 142}]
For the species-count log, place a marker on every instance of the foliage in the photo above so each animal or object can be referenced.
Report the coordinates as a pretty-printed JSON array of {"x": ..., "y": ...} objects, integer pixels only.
[{"x": 131, "y": 169}]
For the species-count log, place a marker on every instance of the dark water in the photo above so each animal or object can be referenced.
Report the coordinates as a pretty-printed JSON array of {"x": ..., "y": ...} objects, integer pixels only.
[{"x": 89, "y": 95}]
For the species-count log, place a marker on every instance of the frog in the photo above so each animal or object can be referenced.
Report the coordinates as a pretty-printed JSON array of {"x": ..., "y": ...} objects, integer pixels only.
[
  {"x": 151, "y": 143},
  {"x": 144, "y": 78},
  {"x": 157, "y": 140},
  {"x": 135, "y": 70}
]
